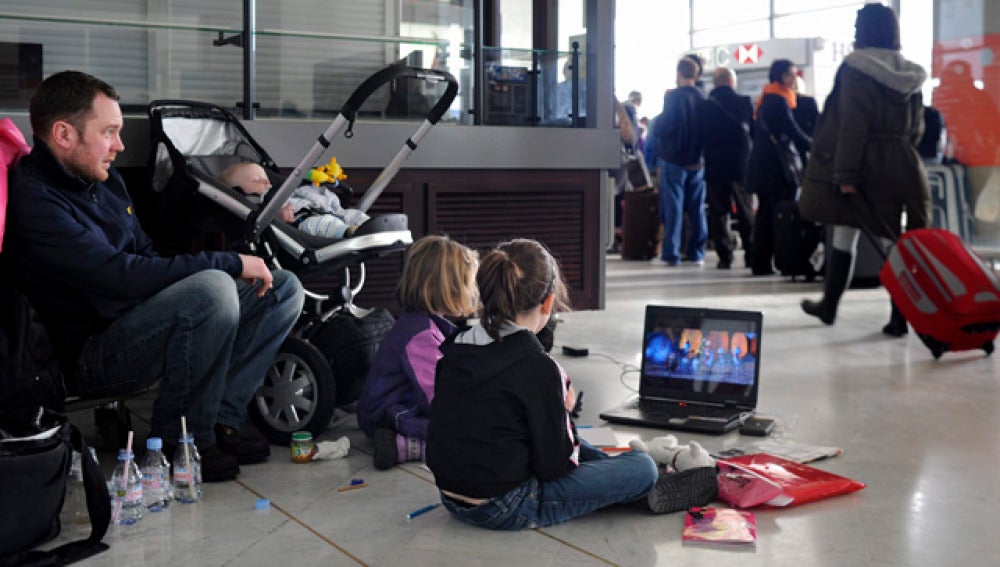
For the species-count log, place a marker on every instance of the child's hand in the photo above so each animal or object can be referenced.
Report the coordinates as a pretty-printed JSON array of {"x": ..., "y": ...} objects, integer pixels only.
[
  {"x": 286, "y": 214},
  {"x": 570, "y": 401}
]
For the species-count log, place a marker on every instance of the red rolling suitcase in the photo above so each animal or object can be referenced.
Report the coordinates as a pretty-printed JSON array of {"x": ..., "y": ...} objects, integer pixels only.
[{"x": 947, "y": 293}]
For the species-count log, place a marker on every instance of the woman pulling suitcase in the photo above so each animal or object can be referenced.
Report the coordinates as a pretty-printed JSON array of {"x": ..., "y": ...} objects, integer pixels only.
[{"x": 865, "y": 141}]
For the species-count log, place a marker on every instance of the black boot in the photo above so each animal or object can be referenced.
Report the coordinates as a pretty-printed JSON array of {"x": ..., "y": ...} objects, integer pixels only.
[
  {"x": 896, "y": 327},
  {"x": 838, "y": 274}
]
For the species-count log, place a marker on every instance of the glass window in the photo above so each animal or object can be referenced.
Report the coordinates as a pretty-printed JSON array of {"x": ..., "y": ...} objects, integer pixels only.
[
  {"x": 916, "y": 23},
  {"x": 741, "y": 33},
  {"x": 515, "y": 24},
  {"x": 306, "y": 65},
  {"x": 722, "y": 13},
  {"x": 835, "y": 24},
  {"x": 446, "y": 28},
  {"x": 642, "y": 65},
  {"x": 789, "y": 6}
]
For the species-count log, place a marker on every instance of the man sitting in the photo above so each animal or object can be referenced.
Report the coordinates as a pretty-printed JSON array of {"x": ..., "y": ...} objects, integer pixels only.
[{"x": 205, "y": 326}]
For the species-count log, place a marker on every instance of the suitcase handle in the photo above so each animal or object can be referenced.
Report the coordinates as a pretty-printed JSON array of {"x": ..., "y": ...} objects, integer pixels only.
[{"x": 863, "y": 223}]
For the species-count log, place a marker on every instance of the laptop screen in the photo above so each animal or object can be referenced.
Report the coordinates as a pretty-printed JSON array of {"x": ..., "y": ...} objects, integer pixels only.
[{"x": 701, "y": 355}]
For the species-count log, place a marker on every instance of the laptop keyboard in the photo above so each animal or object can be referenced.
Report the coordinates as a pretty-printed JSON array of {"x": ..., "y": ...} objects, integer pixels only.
[{"x": 673, "y": 409}]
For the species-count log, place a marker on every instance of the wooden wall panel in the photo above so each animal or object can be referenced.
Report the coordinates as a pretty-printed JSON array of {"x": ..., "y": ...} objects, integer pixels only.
[{"x": 480, "y": 208}]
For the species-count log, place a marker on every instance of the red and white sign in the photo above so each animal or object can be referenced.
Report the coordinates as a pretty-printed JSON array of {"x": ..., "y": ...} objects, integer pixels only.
[{"x": 747, "y": 54}]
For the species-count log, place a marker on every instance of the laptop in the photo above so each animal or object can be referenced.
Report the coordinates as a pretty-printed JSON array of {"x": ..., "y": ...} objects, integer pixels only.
[{"x": 700, "y": 370}]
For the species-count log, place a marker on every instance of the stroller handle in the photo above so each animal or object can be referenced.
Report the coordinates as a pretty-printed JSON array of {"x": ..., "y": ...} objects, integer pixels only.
[
  {"x": 345, "y": 120},
  {"x": 393, "y": 72}
]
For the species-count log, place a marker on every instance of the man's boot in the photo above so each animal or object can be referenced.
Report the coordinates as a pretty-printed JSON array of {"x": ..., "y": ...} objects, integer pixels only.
[{"x": 838, "y": 274}]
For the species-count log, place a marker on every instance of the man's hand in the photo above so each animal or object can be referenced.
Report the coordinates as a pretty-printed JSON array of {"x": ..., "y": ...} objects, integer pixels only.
[
  {"x": 255, "y": 269},
  {"x": 848, "y": 189}
]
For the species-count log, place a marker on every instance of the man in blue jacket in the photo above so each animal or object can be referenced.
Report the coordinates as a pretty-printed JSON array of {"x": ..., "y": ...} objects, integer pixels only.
[
  {"x": 682, "y": 181},
  {"x": 206, "y": 326}
]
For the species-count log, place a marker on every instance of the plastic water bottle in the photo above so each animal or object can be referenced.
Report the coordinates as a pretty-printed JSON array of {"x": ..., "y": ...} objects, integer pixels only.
[
  {"x": 127, "y": 504},
  {"x": 74, "y": 510},
  {"x": 155, "y": 476},
  {"x": 187, "y": 471}
]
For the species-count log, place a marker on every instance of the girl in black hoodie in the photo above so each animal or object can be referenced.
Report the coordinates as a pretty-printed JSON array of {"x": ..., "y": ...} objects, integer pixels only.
[{"x": 503, "y": 450}]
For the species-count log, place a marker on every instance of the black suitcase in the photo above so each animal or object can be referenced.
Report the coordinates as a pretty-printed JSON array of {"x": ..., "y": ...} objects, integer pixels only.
[
  {"x": 640, "y": 224},
  {"x": 795, "y": 241}
]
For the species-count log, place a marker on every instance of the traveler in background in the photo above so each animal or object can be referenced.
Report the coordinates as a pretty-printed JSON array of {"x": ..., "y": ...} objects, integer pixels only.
[
  {"x": 935, "y": 138},
  {"x": 682, "y": 181},
  {"x": 643, "y": 130},
  {"x": 726, "y": 122},
  {"x": 562, "y": 109},
  {"x": 631, "y": 107},
  {"x": 866, "y": 142},
  {"x": 806, "y": 110},
  {"x": 767, "y": 178}
]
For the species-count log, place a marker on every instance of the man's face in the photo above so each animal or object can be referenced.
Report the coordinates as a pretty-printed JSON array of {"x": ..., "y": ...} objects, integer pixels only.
[
  {"x": 97, "y": 143},
  {"x": 788, "y": 79}
]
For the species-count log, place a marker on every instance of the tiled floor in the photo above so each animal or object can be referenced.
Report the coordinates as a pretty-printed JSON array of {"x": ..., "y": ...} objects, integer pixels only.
[{"x": 922, "y": 434}]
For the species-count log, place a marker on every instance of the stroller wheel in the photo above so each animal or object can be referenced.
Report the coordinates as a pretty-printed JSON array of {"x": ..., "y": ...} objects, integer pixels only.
[{"x": 298, "y": 393}]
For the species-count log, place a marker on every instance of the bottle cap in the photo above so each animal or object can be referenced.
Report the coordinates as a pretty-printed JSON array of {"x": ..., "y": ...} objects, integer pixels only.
[
  {"x": 189, "y": 438},
  {"x": 154, "y": 443},
  {"x": 123, "y": 456},
  {"x": 302, "y": 436},
  {"x": 262, "y": 504}
]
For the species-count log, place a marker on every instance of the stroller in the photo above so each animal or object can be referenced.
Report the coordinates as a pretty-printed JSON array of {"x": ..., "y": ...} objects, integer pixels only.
[{"x": 192, "y": 144}]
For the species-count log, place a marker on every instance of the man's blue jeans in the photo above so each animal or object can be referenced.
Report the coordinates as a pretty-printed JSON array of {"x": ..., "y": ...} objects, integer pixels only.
[
  {"x": 598, "y": 482},
  {"x": 682, "y": 191},
  {"x": 208, "y": 339}
]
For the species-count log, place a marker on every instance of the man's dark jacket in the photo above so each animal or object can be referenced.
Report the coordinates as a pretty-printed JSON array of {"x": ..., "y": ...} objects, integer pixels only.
[
  {"x": 77, "y": 250},
  {"x": 676, "y": 128},
  {"x": 726, "y": 120}
]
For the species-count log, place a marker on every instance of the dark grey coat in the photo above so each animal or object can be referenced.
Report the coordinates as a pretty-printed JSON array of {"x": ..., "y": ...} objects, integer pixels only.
[
  {"x": 765, "y": 175},
  {"x": 867, "y": 137}
]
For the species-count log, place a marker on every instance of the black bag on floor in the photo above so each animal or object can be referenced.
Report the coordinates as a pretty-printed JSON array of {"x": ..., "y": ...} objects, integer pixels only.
[
  {"x": 350, "y": 343},
  {"x": 795, "y": 241},
  {"x": 640, "y": 224},
  {"x": 36, "y": 451}
]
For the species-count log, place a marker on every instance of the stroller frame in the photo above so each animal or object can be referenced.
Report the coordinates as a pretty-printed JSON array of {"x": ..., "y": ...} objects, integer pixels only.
[{"x": 299, "y": 389}]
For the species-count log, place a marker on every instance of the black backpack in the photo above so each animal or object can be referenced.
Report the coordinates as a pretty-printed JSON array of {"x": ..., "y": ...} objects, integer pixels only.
[
  {"x": 30, "y": 375},
  {"x": 350, "y": 343}
]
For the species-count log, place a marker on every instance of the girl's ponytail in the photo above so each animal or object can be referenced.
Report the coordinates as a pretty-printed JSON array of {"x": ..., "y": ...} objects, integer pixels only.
[
  {"x": 497, "y": 280},
  {"x": 515, "y": 278}
]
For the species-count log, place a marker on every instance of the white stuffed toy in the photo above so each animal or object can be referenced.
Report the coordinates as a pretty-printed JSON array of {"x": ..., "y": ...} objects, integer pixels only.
[{"x": 666, "y": 450}]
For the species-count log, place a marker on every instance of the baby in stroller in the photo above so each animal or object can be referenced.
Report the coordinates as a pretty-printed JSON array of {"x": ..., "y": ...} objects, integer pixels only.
[{"x": 312, "y": 208}]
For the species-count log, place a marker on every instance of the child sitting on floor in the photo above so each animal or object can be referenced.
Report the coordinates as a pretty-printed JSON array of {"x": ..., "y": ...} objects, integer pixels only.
[
  {"x": 313, "y": 209},
  {"x": 438, "y": 280},
  {"x": 503, "y": 450}
]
